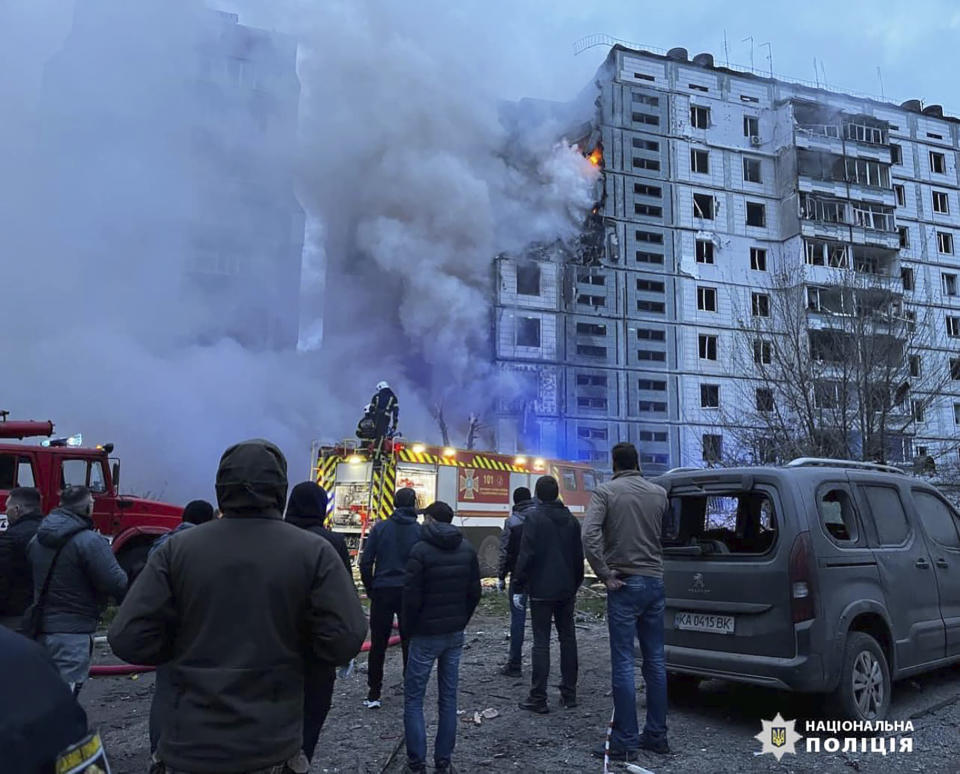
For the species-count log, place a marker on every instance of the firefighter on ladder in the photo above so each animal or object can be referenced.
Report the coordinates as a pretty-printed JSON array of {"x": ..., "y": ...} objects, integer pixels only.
[{"x": 386, "y": 413}]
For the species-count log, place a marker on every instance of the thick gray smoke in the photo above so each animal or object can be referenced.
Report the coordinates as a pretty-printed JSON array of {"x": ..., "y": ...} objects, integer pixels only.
[{"x": 409, "y": 185}]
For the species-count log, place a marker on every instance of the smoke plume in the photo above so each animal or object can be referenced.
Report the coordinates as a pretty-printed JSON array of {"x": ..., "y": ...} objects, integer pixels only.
[{"x": 409, "y": 181}]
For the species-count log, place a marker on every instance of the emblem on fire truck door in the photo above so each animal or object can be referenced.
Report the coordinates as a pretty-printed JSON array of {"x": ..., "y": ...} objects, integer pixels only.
[{"x": 469, "y": 484}]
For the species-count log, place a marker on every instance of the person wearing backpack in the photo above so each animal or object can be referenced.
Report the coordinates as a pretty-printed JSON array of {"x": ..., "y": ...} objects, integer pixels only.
[{"x": 74, "y": 573}]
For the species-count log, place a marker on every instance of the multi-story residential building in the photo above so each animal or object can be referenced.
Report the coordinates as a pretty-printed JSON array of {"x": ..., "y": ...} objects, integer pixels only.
[
  {"x": 717, "y": 184},
  {"x": 169, "y": 131}
]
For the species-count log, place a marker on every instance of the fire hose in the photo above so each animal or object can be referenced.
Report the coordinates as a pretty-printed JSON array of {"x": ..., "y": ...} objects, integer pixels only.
[{"x": 116, "y": 670}]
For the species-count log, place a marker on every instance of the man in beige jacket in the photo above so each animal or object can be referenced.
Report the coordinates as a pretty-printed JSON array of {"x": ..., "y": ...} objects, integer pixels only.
[{"x": 621, "y": 540}]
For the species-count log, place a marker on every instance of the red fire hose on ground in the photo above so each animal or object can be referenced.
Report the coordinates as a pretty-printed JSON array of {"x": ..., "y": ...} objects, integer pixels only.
[{"x": 117, "y": 670}]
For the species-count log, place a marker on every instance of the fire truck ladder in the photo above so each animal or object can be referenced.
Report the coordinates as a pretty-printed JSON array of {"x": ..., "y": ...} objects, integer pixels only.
[{"x": 383, "y": 484}]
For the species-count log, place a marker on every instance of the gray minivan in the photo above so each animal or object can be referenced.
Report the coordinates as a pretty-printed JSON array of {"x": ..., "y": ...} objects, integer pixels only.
[{"x": 823, "y": 576}]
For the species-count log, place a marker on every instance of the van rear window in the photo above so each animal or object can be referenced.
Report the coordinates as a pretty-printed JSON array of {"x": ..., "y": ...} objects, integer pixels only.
[{"x": 727, "y": 523}]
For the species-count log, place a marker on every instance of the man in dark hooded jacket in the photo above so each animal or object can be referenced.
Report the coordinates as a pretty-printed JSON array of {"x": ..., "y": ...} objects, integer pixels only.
[
  {"x": 307, "y": 509},
  {"x": 234, "y": 607},
  {"x": 196, "y": 512},
  {"x": 549, "y": 571},
  {"x": 509, "y": 550},
  {"x": 383, "y": 572},
  {"x": 24, "y": 514},
  {"x": 441, "y": 592},
  {"x": 86, "y": 573}
]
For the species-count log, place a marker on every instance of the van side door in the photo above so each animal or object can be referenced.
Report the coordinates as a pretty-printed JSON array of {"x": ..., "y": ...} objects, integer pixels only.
[
  {"x": 941, "y": 524},
  {"x": 905, "y": 570}
]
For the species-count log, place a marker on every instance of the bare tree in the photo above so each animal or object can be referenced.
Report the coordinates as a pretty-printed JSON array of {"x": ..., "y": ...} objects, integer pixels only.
[
  {"x": 833, "y": 370},
  {"x": 437, "y": 412},
  {"x": 473, "y": 428}
]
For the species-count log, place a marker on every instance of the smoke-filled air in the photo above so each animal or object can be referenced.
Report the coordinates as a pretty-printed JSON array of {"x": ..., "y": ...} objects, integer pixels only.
[{"x": 157, "y": 231}]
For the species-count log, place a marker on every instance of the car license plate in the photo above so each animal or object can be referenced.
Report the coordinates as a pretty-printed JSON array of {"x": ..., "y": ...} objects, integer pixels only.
[{"x": 703, "y": 622}]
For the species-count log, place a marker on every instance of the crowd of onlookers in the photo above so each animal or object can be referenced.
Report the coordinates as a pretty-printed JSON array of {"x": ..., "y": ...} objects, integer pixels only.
[{"x": 247, "y": 612}]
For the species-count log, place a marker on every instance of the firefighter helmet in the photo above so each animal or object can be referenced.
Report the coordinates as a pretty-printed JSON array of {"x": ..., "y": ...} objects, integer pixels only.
[{"x": 382, "y": 386}]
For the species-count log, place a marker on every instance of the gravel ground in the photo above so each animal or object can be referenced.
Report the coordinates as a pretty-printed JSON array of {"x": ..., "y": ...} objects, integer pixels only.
[{"x": 711, "y": 729}]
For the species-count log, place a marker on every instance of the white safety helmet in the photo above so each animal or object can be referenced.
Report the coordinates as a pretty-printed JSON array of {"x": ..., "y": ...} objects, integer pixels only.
[
  {"x": 382, "y": 386},
  {"x": 368, "y": 408}
]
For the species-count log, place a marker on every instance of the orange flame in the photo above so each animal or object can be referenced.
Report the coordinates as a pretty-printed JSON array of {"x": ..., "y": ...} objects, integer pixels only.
[{"x": 595, "y": 156}]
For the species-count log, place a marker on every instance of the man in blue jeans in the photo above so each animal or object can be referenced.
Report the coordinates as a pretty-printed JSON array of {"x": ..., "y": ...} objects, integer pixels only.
[
  {"x": 441, "y": 592},
  {"x": 621, "y": 540},
  {"x": 509, "y": 550}
]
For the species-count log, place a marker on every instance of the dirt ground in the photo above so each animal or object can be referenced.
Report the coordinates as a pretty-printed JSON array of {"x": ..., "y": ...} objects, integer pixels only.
[{"x": 710, "y": 730}]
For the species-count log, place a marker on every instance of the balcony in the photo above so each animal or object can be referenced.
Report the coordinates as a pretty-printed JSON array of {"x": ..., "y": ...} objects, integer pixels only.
[
  {"x": 863, "y": 223},
  {"x": 820, "y": 128}
]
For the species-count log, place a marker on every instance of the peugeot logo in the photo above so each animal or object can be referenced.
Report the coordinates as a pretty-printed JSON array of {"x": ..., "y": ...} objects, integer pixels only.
[{"x": 698, "y": 586}]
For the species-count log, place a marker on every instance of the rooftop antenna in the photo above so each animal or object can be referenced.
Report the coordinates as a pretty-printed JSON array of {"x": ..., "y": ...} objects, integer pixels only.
[
  {"x": 726, "y": 50},
  {"x": 823, "y": 73},
  {"x": 769, "y": 56},
  {"x": 816, "y": 74},
  {"x": 880, "y": 78},
  {"x": 750, "y": 38}
]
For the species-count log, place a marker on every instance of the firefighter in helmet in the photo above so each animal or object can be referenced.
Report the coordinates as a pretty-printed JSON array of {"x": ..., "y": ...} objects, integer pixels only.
[
  {"x": 367, "y": 426},
  {"x": 386, "y": 411}
]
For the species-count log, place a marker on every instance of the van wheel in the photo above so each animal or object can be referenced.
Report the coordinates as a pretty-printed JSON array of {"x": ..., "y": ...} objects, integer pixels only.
[
  {"x": 864, "y": 690},
  {"x": 489, "y": 556},
  {"x": 679, "y": 684},
  {"x": 133, "y": 560}
]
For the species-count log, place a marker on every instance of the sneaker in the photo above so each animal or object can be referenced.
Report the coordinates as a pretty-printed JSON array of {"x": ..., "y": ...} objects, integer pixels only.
[
  {"x": 445, "y": 767},
  {"x": 534, "y": 705},
  {"x": 615, "y": 754},
  {"x": 511, "y": 670},
  {"x": 372, "y": 703},
  {"x": 658, "y": 746},
  {"x": 569, "y": 702}
]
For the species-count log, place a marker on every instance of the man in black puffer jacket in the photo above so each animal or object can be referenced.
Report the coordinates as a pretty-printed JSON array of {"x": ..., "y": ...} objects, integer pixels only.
[
  {"x": 382, "y": 570},
  {"x": 441, "y": 592},
  {"x": 549, "y": 571},
  {"x": 307, "y": 509},
  {"x": 24, "y": 514}
]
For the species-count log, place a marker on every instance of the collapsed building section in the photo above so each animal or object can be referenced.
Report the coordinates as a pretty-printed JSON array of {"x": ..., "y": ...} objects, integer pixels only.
[{"x": 714, "y": 183}]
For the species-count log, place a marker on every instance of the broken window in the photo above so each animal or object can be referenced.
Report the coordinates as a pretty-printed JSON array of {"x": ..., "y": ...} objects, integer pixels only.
[
  {"x": 708, "y": 346},
  {"x": 704, "y": 251},
  {"x": 906, "y": 276},
  {"x": 760, "y": 304},
  {"x": 651, "y": 164},
  {"x": 648, "y": 210},
  {"x": 901, "y": 193},
  {"x": 756, "y": 214},
  {"x": 712, "y": 447},
  {"x": 595, "y": 433},
  {"x": 652, "y": 355},
  {"x": 944, "y": 243},
  {"x": 827, "y": 210},
  {"x": 706, "y": 299},
  {"x": 651, "y": 334},
  {"x": 896, "y": 154},
  {"x": 699, "y": 161},
  {"x": 651, "y": 406},
  {"x": 653, "y": 307},
  {"x": 597, "y": 404},
  {"x": 904, "y": 233},
  {"x": 645, "y": 99},
  {"x": 698, "y": 87},
  {"x": 652, "y": 385},
  {"x": 650, "y": 286},
  {"x": 867, "y": 173},
  {"x": 751, "y": 170},
  {"x": 917, "y": 410},
  {"x": 838, "y": 516},
  {"x": 591, "y": 380},
  {"x": 587, "y": 278},
  {"x": 591, "y": 329},
  {"x": 864, "y": 132},
  {"x": 703, "y": 206},
  {"x": 645, "y": 118},
  {"x": 764, "y": 399},
  {"x": 953, "y": 327},
  {"x": 938, "y": 163},
  {"x": 826, "y": 395},
  {"x": 709, "y": 396},
  {"x": 648, "y": 190},
  {"x": 713, "y": 527},
  {"x": 873, "y": 216},
  {"x": 645, "y": 257},
  {"x": 830, "y": 254},
  {"x": 640, "y": 144},
  {"x": 699, "y": 117},
  {"x": 941, "y": 202},
  {"x": 762, "y": 352},
  {"x": 589, "y": 350},
  {"x": 751, "y": 126},
  {"x": 652, "y": 237},
  {"x": 528, "y": 332},
  {"x": 758, "y": 259},
  {"x": 916, "y": 366},
  {"x": 956, "y": 413},
  {"x": 949, "y": 284},
  {"x": 528, "y": 279},
  {"x": 955, "y": 368}
]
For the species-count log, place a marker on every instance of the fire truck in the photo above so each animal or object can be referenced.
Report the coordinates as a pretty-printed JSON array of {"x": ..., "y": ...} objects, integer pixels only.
[
  {"x": 361, "y": 480},
  {"x": 131, "y": 524}
]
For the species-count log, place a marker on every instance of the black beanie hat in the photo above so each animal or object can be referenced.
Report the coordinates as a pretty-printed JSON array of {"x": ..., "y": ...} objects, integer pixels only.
[
  {"x": 252, "y": 479},
  {"x": 198, "y": 512},
  {"x": 405, "y": 498}
]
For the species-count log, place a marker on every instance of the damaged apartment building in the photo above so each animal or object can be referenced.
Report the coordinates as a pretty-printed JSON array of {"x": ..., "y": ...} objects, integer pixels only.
[{"x": 714, "y": 181}]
